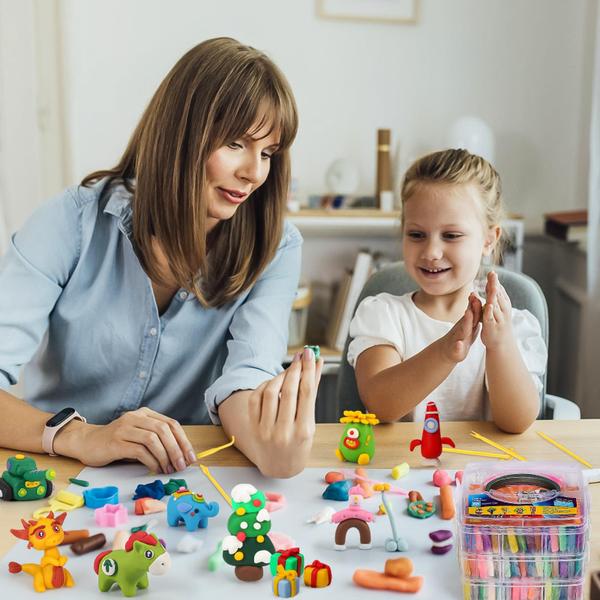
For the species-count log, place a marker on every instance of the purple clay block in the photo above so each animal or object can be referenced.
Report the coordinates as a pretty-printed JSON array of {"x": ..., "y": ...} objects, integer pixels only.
[
  {"x": 442, "y": 541},
  {"x": 439, "y": 550}
]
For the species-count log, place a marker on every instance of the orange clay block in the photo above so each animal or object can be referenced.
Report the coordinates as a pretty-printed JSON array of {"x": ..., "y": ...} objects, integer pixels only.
[
  {"x": 333, "y": 476},
  {"x": 398, "y": 567},
  {"x": 378, "y": 581},
  {"x": 74, "y": 535},
  {"x": 365, "y": 485},
  {"x": 447, "y": 502}
]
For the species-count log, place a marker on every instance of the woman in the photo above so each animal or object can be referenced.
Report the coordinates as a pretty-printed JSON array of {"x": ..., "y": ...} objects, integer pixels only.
[{"x": 158, "y": 292}]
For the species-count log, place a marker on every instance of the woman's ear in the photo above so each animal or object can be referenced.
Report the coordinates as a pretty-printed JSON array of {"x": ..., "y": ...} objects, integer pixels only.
[{"x": 491, "y": 239}]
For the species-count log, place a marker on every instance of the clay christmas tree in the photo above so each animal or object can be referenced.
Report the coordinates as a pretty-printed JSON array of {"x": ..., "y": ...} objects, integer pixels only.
[{"x": 248, "y": 548}]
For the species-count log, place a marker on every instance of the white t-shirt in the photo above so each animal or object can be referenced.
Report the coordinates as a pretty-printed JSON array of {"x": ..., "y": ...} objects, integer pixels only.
[{"x": 396, "y": 321}]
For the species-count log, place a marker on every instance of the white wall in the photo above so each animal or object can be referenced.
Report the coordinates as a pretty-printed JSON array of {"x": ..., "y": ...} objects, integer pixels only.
[{"x": 519, "y": 65}]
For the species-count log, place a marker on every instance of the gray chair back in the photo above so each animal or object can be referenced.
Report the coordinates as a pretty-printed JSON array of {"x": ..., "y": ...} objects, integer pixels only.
[{"x": 523, "y": 291}]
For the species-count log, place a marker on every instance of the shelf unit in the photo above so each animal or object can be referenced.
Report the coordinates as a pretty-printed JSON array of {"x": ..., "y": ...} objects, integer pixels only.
[{"x": 343, "y": 222}]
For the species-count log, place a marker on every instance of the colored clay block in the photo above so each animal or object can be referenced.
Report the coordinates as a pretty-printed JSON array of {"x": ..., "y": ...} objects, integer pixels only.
[
  {"x": 447, "y": 509},
  {"x": 248, "y": 573},
  {"x": 144, "y": 553},
  {"x": 215, "y": 560},
  {"x": 111, "y": 515},
  {"x": 274, "y": 501},
  {"x": 147, "y": 506},
  {"x": 338, "y": 490},
  {"x": 290, "y": 559},
  {"x": 156, "y": 489},
  {"x": 442, "y": 541},
  {"x": 173, "y": 485},
  {"x": 98, "y": 497},
  {"x": 282, "y": 541},
  {"x": 121, "y": 537},
  {"x": 379, "y": 581},
  {"x": 65, "y": 501},
  {"x": 22, "y": 480},
  {"x": 458, "y": 477},
  {"x": 188, "y": 544},
  {"x": 74, "y": 535},
  {"x": 333, "y": 476},
  {"x": 400, "y": 471},
  {"x": 364, "y": 533},
  {"x": 80, "y": 482},
  {"x": 421, "y": 509},
  {"x": 317, "y": 575},
  {"x": 323, "y": 516},
  {"x": 398, "y": 567},
  {"x": 89, "y": 544},
  {"x": 441, "y": 477},
  {"x": 413, "y": 496},
  {"x": 316, "y": 351}
]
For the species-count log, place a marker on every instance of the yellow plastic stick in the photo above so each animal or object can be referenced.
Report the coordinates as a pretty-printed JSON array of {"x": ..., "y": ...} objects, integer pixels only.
[
  {"x": 217, "y": 485},
  {"x": 477, "y": 453},
  {"x": 498, "y": 446},
  {"x": 564, "y": 449},
  {"x": 210, "y": 451}
]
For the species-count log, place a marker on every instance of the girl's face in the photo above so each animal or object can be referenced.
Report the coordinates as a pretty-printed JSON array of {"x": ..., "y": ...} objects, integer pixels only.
[
  {"x": 234, "y": 171},
  {"x": 444, "y": 237}
]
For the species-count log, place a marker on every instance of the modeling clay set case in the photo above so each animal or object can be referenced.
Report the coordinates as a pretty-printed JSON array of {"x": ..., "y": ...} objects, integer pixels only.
[{"x": 523, "y": 531}]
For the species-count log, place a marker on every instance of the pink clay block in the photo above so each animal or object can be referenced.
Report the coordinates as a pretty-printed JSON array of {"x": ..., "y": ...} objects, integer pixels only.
[{"x": 441, "y": 477}]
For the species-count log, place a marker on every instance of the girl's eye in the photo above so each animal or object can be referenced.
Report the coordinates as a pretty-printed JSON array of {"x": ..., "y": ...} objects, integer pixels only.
[
  {"x": 453, "y": 236},
  {"x": 416, "y": 235}
]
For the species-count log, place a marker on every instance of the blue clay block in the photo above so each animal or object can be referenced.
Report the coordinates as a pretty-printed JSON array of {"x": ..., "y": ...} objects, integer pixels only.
[
  {"x": 338, "y": 490},
  {"x": 156, "y": 490}
]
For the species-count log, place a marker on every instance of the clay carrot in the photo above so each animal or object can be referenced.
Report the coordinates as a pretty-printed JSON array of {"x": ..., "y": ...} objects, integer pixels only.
[
  {"x": 378, "y": 581},
  {"x": 447, "y": 502}
]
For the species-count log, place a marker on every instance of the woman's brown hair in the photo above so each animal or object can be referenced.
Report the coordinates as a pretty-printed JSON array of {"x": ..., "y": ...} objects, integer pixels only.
[
  {"x": 212, "y": 96},
  {"x": 460, "y": 166}
]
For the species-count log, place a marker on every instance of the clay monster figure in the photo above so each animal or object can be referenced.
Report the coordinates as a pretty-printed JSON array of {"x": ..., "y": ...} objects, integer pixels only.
[{"x": 357, "y": 443}]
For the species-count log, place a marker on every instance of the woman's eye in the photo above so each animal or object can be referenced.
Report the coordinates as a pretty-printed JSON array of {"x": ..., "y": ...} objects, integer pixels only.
[
  {"x": 234, "y": 145},
  {"x": 266, "y": 156}
]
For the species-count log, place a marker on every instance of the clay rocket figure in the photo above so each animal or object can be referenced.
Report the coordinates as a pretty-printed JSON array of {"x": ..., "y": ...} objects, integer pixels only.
[{"x": 432, "y": 440}]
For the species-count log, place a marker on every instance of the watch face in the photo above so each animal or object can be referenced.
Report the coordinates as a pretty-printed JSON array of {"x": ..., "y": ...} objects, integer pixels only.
[{"x": 59, "y": 417}]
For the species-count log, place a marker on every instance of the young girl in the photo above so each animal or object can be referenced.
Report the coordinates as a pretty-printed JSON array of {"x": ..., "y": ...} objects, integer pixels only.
[
  {"x": 158, "y": 292},
  {"x": 441, "y": 342}
]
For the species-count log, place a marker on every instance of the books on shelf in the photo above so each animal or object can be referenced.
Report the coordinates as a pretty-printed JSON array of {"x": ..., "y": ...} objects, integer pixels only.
[
  {"x": 348, "y": 293},
  {"x": 569, "y": 226}
]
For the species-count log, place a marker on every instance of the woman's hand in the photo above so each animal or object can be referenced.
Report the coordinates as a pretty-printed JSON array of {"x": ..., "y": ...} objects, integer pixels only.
[
  {"x": 497, "y": 315},
  {"x": 144, "y": 435},
  {"x": 282, "y": 416},
  {"x": 457, "y": 342}
]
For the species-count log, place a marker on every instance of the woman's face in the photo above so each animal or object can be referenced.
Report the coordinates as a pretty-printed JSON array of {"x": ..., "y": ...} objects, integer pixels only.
[{"x": 234, "y": 171}]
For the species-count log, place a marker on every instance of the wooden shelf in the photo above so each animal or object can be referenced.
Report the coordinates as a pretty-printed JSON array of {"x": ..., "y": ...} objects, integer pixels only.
[{"x": 343, "y": 222}]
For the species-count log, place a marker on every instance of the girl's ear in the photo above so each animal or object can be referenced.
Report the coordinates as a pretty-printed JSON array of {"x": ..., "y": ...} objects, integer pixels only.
[{"x": 491, "y": 239}]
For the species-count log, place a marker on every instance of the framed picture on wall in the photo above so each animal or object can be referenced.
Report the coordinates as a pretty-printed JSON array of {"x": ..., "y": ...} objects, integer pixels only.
[{"x": 378, "y": 11}]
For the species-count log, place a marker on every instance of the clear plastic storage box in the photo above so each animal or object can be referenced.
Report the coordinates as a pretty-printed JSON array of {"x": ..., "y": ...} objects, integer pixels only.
[{"x": 523, "y": 531}]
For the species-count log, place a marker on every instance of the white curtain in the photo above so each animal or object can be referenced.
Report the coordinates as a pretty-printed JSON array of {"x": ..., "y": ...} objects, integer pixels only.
[{"x": 589, "y": 380}]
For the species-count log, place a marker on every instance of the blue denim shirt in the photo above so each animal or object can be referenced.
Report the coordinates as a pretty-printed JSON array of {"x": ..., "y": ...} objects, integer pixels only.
[{"x": 78, "y": 310}]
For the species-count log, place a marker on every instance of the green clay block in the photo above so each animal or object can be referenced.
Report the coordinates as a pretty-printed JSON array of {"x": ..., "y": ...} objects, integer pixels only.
[
  {"x": 173, "y": 485},
  {"x": 316, "y": 351},
  {"x": 81, "y": 482},
  {"x": 215, "y": 560},
  {"x": 421, "y": 509}
]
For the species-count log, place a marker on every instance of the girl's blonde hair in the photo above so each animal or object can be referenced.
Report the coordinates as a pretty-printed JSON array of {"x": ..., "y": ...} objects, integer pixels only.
[
  {"x": 212, "y": 96},
  {"x": 460, "y": 166}
]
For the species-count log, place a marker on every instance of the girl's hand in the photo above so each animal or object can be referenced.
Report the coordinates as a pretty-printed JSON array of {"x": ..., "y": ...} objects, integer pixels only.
[
  {"x": 282, "y": 416},
  {"x": 497, "y": 315},
  {"x": 458, "y": 341},
  {"x": 144, "y": 435}
]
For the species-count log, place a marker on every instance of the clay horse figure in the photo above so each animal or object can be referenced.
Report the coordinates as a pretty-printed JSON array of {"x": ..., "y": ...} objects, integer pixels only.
[
  {"x": 144, "y": 553},
  {"x": 44, "y": 534}
]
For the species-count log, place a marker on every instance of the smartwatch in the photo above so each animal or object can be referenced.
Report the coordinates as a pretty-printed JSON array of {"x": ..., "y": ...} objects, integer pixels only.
[{"x": 55, "y": 424}]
